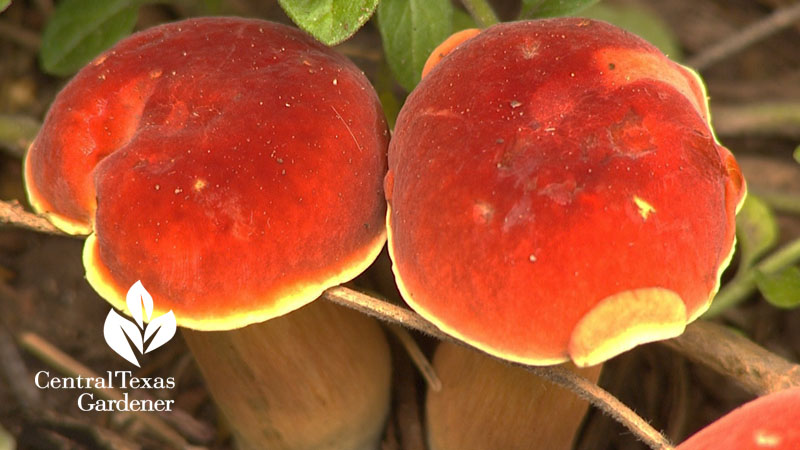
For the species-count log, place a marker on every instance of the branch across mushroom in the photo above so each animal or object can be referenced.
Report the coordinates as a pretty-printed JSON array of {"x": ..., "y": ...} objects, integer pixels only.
[
  {"x": 556, "y": 193},
  {"x": 235, "y": 167}
]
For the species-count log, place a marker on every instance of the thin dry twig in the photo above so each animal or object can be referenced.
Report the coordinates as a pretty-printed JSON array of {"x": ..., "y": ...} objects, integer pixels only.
[
  {"x": 603, "y": 400},
  {"x": 12, "y": 213},
  {"x": 16, "y": 373},
  {"x": 417, "y": 357},
  {"x": 88, "y": 434},
  {"x": 780, "y": 118},
  {"x": 24, "y": 37},
  {"x": 380, "y": 309},
  {"x": 715, "y": 346},
  {"x": 409, "y": 423},
  {"x": 749, "y": 35}
]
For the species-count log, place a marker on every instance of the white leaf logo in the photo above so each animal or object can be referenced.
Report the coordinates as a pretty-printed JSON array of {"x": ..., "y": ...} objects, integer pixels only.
[
  {"x": 139, "y": 300},
  {"x": 115, "y": 330},
  {"x": 163, "y": 327},
  {"x": 120, "y": 332}
]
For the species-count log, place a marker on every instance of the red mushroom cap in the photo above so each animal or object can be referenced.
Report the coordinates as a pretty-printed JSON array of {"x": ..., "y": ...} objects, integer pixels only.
[
  {"x": 769, "y": 422},
  {"x": 232, "y": 165},
  {"x": 556, "y": 193}
]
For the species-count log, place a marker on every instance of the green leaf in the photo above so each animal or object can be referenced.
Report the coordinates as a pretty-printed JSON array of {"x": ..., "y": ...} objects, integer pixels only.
[
  {"x": 17, "y": 133},
  {"x": 640, "y": 21},
  {"x": 384, "y": 85},
  {"x": 757, "y": 230},
  {"x": 4, "y": 4},
  {"x": 796, "y": 154},
  {"x": 213, "y": 5},
  {"x": 780, "y": 289},
  {"x": 552, "y": 8},
  {"x": 462, "y": 20},
  {"x": 79, "y": 30},
  {"x": 410, "y": 30},
  {"x": 329, "y": 21}
]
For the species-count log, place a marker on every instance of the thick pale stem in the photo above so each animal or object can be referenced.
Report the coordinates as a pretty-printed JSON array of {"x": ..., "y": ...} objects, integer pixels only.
[
  {"x": 485, "y": 404},
  {"x": 315, "y": 379},
  {"x": 579, "y": 385}
]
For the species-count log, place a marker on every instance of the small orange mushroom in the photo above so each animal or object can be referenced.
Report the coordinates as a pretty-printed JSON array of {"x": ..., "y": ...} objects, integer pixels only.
[
  {"x": 769, "y": 422},
  {"x": 556, "y": 193},
  {"x": 446, "y": 47},
  {"x": 233, "y": 166}
]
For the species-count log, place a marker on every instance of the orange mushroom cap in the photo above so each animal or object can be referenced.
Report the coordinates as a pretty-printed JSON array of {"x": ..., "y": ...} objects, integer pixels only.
[
  {"x": 769, "y": 422},
  {"x": 556, "y": 192},
  {"x": 234, "y": 166}
]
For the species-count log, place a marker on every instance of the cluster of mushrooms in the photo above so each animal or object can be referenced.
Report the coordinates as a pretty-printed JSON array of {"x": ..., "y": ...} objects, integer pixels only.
[{"x": 555, "y": 195}]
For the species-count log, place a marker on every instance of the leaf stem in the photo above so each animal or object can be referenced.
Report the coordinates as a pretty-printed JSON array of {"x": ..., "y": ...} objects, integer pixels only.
[
  {"x": 763, "y": 118},
  {"x": 17, "y": 132},
  {"x": 781, "y": 201},
  {"x": 482, "y": 12},
  {"x": 744, "y": 284}
]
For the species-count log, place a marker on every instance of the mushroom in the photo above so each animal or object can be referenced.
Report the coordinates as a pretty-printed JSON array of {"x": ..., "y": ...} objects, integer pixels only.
[
  {"x": 486, "y": 404},
  {"x": 769, "y": 422},
  {"x": 556, "y": 193},
  {"x": 234, "y": 166}
]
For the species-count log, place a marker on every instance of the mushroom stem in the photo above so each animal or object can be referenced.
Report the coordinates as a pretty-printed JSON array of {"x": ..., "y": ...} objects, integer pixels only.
[
  {"x": 487, "y": 404},
  {"x": 317, "y": 378},
  {"x": 579, "y": 385}
]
